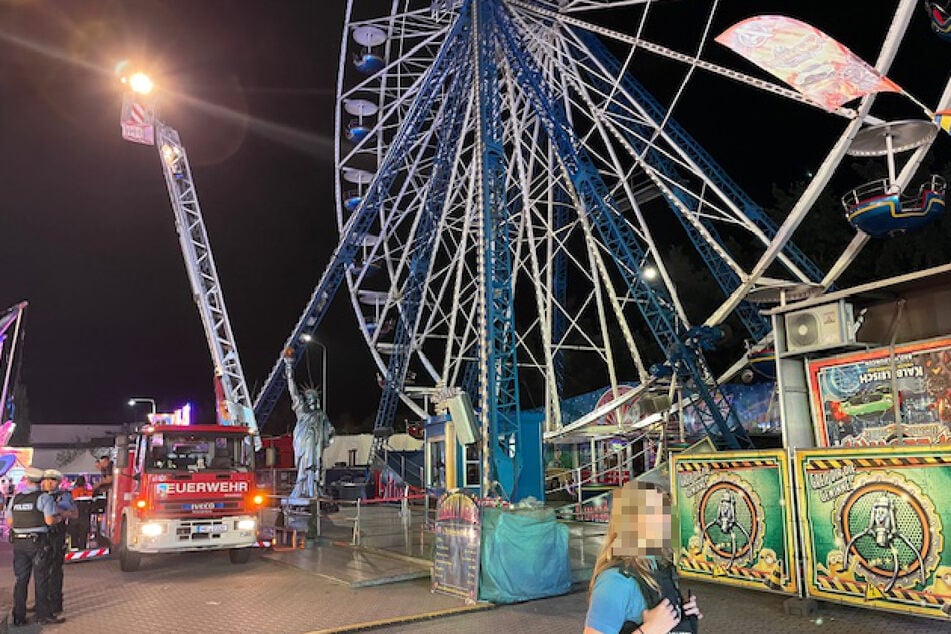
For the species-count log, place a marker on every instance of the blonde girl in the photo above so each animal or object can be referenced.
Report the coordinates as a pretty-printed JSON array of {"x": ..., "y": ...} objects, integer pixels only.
[{"x": 633, "y": 588}]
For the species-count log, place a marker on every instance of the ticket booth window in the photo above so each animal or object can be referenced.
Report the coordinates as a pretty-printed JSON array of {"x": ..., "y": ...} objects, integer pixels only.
[
  {"x": 437, "y": 464},
  {"x": 473, "y": 471}
]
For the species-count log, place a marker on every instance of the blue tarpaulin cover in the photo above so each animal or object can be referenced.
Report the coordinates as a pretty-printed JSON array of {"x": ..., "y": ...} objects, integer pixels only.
[{"x": 524, "y": 555}]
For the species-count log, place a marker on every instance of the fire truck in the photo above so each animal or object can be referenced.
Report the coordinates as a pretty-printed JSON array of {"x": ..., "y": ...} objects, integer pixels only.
[
  {"x": 184, "y": 488},
  {"x": 181, "y": 487}
]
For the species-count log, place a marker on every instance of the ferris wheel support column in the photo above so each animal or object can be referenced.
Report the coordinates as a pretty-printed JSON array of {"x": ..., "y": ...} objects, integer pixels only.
[
  {"x": 542, "y": 301},
  {"x": 681, "y": 345},
  {"x": 559, "y": 285},
  {"x": 499, "y": 367}
]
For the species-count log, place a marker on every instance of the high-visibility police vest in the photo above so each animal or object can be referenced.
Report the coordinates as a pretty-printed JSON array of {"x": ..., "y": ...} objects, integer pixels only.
[{"x": 27, "y": 518}]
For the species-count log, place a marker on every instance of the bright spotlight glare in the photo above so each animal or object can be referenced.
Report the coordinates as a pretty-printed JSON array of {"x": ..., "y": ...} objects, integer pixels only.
[
  {"x": 141, "y": 83},
  {"x": 650, "y": 273},
  {"x": 306, "y": 337}
]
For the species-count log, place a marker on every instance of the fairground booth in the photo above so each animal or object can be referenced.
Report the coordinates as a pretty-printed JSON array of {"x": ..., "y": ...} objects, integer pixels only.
[{"x": 853, "y": 508}]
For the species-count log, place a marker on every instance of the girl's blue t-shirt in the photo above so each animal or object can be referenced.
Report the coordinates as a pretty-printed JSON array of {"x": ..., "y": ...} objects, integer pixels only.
[{"x": 614, "y": 600}]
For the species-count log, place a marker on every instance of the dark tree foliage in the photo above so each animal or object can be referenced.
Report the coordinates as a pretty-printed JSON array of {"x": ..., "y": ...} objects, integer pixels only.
[{"x": 825, "y": 232}]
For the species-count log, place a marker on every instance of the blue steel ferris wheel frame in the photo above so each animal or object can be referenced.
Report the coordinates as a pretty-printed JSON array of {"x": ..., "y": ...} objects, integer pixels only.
[
  {"x": 462, "y": 87},
  {"x": 681, "y": 344}
]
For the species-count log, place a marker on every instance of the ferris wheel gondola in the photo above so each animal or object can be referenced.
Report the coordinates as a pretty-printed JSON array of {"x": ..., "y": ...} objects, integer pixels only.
[
  {"x": 360, "y": 178},
  {"x": 939, "y": 15},
  {"x": 881, "y": 208},
  {"x": 358, "y": 129},
  {"x": 367, "y": 61}
]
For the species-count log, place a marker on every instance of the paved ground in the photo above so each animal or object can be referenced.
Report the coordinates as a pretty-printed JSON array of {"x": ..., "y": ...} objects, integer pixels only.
[{"x": 204, "y": 592}]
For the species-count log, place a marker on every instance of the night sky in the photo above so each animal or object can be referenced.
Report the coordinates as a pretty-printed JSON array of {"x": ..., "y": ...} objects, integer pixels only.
[{"x": 87, "y": 234}]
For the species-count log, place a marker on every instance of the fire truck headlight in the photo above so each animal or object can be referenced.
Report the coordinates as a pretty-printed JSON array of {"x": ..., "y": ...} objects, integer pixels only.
[
  {"x": 246, "y": 525},
  {"x": 151, "y": 529}
]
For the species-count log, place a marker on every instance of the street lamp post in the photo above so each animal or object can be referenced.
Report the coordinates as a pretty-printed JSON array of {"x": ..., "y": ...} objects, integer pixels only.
[
  {"x": 137, "y": 399},
  {"x": 309, "y": 339}
]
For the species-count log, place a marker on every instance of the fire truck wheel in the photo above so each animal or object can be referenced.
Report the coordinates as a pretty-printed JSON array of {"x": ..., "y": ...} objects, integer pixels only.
[
  {"x": 128, "y": 560},
  {"x": 239, "y": 555}
]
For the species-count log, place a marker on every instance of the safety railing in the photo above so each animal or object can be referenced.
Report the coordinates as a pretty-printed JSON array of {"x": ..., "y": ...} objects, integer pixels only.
[
  {"x": 400, "y": 524},
  {"x": 622, "y": 469}
]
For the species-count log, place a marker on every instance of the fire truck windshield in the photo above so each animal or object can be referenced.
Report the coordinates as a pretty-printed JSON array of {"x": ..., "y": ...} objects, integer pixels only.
[{"x": 189, "y": 451}]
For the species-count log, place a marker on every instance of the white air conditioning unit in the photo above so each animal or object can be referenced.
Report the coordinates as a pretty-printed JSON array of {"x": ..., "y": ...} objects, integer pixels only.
[{"x": 819, "y": 327}]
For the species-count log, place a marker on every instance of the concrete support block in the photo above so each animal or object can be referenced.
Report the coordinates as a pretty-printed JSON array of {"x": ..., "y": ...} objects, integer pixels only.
[{"x": 800, "y": 607}]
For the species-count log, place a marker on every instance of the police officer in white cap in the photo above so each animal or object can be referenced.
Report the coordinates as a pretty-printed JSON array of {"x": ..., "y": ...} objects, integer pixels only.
[
  {"x": 66, "y": 509},
  {"x": 31, "y": 514}
]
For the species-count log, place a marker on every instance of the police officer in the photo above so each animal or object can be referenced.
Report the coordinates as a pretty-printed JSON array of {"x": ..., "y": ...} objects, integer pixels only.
[
  {"x": 66, "y": 509},
  {"x": 31, "y": 514}
]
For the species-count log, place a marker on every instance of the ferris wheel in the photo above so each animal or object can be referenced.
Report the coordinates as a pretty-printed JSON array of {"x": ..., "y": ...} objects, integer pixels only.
[{"x": 506, "y": 186}]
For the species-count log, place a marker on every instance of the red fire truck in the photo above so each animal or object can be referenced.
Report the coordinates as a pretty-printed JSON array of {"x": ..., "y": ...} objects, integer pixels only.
[{"x": 183, "y": 488}]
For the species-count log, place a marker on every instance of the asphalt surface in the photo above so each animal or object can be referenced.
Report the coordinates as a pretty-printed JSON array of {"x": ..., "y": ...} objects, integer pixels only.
[{"x": 203, "y": 592}]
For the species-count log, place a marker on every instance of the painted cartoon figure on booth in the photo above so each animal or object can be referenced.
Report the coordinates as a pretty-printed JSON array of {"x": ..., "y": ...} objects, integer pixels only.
[{"x": 634, "y": 587}]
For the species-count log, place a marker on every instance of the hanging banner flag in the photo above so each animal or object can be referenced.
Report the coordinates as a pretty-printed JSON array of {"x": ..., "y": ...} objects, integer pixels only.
[
  {"x": 943, "y": 119},
  {"x": 822, "y": 69}
]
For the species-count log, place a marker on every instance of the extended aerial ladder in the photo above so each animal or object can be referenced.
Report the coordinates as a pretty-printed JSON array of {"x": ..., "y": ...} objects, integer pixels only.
[{"x": 141, "y": 125}]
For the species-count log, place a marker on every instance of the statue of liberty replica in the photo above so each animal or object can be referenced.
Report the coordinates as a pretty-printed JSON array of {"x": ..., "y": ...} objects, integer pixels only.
[{"x": 312, "y": 434}]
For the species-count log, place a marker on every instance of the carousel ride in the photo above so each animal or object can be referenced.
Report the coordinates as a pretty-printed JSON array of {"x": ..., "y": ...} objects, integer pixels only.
[
  {"x": 12, "y": 332},
  {"x": 508, "y": 185}
]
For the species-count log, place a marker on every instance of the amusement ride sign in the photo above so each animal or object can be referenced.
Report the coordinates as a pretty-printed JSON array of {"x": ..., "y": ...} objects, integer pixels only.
[
  {"x": 855, "y": 397},
  {"x": 458, "y": 538},
  {"x": 873, "y": 527},
  {"x": 734, "y": 515}
]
